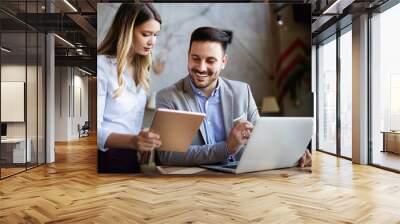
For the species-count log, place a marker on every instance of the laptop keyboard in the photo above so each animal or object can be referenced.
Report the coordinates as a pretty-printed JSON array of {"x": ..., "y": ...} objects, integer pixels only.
[{"x": 233, "y": 166}]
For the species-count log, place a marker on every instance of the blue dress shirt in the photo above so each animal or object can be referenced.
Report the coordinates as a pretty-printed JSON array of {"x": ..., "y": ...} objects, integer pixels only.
[{"x": 214, "y": 122}]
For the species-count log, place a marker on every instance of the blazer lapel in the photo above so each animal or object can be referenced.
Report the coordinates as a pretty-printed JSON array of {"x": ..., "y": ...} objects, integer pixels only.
[
  {"x": 227, "y": 106},
  {"x": 191, "y": 101}
]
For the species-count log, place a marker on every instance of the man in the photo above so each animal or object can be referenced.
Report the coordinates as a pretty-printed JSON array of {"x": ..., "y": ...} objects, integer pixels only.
[{"x": 219, "y": 139}]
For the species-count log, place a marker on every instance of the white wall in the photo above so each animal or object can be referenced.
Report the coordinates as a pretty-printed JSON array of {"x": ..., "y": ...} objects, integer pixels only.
[
  {"x": 69, "y": 85},
  {"x": 80, "y": 109},
  {"x": 12, "y": 73},
  {"x": 61, "y": 103}
]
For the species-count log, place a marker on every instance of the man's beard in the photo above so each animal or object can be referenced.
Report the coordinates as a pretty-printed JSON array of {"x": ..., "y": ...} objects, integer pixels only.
[
  {"x": 211, "y": 77},
  {"x": 208, "y": 72}
]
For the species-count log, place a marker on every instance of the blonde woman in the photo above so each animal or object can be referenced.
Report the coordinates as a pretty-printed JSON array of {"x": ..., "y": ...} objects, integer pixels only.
[{"x": 123, "y": 64}]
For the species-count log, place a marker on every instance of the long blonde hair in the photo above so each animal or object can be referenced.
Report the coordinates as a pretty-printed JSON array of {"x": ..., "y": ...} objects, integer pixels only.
[{"x": 119, "y": 38}]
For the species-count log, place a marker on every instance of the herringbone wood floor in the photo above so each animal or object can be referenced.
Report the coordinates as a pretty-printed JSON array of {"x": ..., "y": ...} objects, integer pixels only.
[{"x": 70, "y": 191}]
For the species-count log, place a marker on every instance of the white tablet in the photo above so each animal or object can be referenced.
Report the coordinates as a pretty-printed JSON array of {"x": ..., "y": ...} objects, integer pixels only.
[{"x": 176, "y": 128}]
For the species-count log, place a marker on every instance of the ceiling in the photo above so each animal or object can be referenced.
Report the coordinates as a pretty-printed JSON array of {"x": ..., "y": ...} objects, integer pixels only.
[{"x": 22, "y": 23}]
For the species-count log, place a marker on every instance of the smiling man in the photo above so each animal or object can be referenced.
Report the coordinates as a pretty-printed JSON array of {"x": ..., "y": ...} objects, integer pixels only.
[{"x": 219, "y": 139}]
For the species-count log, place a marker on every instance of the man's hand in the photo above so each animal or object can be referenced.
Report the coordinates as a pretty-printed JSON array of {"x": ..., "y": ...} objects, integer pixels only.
[
  {"x": 305, "y": 159},
  {"x": 147, "y": 141},
  {"x": 238, "y": 136}
]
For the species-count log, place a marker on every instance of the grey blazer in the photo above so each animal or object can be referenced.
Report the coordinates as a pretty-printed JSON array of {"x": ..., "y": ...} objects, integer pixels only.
[{"x": 236, "y": 99}]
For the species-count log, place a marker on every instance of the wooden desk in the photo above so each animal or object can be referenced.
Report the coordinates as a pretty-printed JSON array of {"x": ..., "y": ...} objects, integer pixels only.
[{"x": 391, "y": 141}]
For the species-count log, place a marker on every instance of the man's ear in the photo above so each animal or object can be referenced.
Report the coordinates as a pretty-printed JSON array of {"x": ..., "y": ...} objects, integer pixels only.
[{"x": 224, "y": 61}]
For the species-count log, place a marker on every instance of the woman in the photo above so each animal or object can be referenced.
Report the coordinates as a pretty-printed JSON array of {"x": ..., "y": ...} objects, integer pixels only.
[{"x": 123, "y": 63}]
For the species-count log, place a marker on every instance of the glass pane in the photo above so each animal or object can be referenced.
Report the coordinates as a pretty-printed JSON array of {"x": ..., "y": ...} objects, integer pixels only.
[
  {"x": 13, "y": 85},
  {"x": 346, "y": 94},
  {"x": 327, "y": 96},
  {"x": 23, "y": 82},
  {"x": 386, "y": 89}
]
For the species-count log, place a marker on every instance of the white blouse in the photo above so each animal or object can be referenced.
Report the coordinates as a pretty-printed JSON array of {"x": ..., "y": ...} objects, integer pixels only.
[{"x": 123, "y": 114}]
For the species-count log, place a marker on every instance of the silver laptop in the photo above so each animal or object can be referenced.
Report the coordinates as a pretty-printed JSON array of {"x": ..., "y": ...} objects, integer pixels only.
[{"x": 275, "y": 142}]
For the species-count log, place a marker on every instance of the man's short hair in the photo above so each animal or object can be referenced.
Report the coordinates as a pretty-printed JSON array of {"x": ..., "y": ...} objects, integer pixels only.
[{"x": 210, "y": 34}]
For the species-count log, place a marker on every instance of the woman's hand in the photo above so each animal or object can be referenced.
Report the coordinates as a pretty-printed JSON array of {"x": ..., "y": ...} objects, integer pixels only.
[{"x": 147, "y": 141}]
